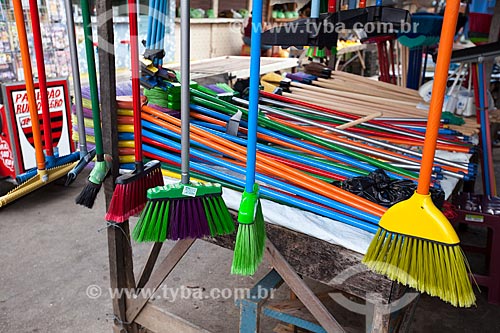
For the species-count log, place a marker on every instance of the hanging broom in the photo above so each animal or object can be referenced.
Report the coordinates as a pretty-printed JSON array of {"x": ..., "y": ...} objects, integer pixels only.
[
  {"x": 102, "y": 165},
  {"x": 129, "y": 196},
  {"x": 415, "y": 244},
  {"x": 186, "y": 209},
  {"x": 250, "y": 239},
  {"x": 85, "y": 155}
]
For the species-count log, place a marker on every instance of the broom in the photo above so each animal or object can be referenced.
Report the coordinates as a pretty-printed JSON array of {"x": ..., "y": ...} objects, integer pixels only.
[
  {"x": 129, "y": 196},
  {"x": 415, "y": 244},
  {"x": 186, "y": 209},
  {"x": 85, "y": 155},
  {"x": 102, "y": 165},
  {"x": 250, "y": 239},
  {"x": 43, "y": 175}
]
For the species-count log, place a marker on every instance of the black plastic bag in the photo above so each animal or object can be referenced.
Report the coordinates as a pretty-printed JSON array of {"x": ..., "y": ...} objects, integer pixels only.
[{"x": 380, "y": 188}]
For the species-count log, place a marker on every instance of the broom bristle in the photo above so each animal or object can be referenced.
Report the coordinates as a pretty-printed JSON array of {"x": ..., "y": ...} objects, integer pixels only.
[
  {"x": 129, "y": 199},
  {"x": 249, "y": 246},
  {"x": 219, "y": 220},
  {"x": 88, "y": 195},
  {"x": 153, "y": 223},
  {"x": 188, "y": 219},
  {"x": 428, "y": 266}
]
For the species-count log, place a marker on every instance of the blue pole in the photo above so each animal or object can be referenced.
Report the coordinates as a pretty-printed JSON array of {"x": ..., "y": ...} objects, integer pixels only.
[
  {"x": 484, "y": 138},
  {"x": 315, "y": 8},
  {"x": 253, "y": 108}
]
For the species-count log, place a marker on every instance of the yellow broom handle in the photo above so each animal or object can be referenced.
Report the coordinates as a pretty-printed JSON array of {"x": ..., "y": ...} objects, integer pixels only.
[
  {"x": 30, "y": 87},
  {"x": 438, "y": 92}
]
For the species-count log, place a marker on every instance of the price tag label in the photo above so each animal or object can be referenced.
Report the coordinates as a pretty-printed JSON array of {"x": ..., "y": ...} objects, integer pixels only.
[{"x": 189, "y": 191}]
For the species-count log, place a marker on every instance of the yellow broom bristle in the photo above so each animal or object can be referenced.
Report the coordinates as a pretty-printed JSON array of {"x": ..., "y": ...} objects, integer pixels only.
[{"x": 437, "y": 269}]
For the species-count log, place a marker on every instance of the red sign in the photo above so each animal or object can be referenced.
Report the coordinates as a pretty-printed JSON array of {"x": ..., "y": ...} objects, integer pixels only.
[{"x": 16, "y": 99}]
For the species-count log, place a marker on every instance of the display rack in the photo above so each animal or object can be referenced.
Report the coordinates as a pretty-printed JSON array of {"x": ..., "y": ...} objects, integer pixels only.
[{"x": 54, "y": 36}]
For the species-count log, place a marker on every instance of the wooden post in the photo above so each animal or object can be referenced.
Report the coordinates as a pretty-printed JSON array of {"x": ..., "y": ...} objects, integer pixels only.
[{"x": 119, "y": 248}]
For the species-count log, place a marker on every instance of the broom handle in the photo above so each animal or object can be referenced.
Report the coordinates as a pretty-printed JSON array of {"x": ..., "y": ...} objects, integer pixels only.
[
  {"x": 94, "y": 97},
  {"x": 42, "y": 79},
  {"x": 150, "y": 24},
  {"x": 332, "y": 6},
  {"x": 30, "y": 86},
  {"x": 136, "y": 89},
  {"x": 253, "y": 109},
  {"x": 75, "y": 70},
  {"x": 438, "y": 91},
  {"x": 315, "y": 4},
  {"x": 362, "y": 3},
  {"x": 185, "y": 96}
]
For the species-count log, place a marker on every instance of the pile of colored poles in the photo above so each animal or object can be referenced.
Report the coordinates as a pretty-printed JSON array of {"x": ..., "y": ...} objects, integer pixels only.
[{"x": 303, "y": 148}]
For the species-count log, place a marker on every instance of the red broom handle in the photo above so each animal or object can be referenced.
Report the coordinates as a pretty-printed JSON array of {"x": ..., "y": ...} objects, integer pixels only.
[
  {"x": 438, "y": 91},
  {"x": 332, "y": 6},
  {"x": 362, "y": 3},
  {"x": 42, "y": 78},
  {"x": 30, "y": 87},
  {"x": 136, "y": 89}
]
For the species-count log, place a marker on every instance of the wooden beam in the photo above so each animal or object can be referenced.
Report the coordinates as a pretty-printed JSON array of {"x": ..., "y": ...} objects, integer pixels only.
[
  {"x": 159, "y": 320},
  {"x": 119, "y": 249},
  {"x": 158, "y": 276},
  {"x": 298, "y": 286},
  {"x": 149, "y": 265}
]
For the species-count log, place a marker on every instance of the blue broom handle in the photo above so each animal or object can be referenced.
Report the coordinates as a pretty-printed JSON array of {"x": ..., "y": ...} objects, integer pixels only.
[
  {"x": 315, "y": 8},
  {"x": 253, "y": 108},
  {"x": 487, "y": 180},
  {"x": 378, "y": 3},
  {"x": 150, "y": 24},
  {"x": 161, "y": 29},
  {"x": 185, "y": 96}
]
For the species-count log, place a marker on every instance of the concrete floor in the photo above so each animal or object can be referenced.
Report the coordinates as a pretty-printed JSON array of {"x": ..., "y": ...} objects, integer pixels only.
[{"x": 52, "y": 251}]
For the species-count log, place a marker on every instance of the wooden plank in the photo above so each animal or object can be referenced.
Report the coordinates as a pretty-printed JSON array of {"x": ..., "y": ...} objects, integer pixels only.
[
  {"x": 149, "y": 265},
  {"x": 119, "y": 249},
  {"x": 159, "y": 320},
  {"x": 297, "y": 285},
  {"x": 158, "y": 276},
  {"x": 322, "y": 262}
]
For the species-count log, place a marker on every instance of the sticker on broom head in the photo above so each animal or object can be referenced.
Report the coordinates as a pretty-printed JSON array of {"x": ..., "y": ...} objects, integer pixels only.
[{"x": 189, "y": 191}]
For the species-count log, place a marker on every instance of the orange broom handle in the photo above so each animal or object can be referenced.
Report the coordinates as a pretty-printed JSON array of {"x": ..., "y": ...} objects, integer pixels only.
[
  {"x": 438, "y": 91},
  {"x": 30, "y": 86}
]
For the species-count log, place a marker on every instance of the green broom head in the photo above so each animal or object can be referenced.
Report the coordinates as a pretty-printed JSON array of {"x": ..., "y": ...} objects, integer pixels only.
[
  {"x": 251, "y": 236},
  {"x": 180, "y": 211},
  {"x": 99, "y": 172},
  {"x": 417, "y": 246},
  {"x": 129, "y": 196}
]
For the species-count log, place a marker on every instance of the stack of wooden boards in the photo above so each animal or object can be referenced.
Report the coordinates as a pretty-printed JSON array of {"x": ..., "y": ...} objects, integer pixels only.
[{"x": 363, "y": 96}]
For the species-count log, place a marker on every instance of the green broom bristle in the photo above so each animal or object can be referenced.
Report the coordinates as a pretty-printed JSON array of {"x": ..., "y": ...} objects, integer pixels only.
[
  {"x": 154, "y": 222},
  {"x": 437, "y": 269},
  {"x": 249, "y": 246}
]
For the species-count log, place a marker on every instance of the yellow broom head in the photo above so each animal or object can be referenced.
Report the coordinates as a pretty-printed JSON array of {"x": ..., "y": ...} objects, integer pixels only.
[{"x": 417, "y": 246}]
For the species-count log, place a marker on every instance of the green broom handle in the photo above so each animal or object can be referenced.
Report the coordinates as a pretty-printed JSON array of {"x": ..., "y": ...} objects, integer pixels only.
[
  {"x": 94, "y": 97},
  {"x": 185, "y": 96},
  {"x": 438, "y": 92}
]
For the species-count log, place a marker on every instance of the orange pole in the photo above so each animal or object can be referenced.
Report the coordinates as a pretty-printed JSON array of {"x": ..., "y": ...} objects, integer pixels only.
[
  {"x": 438, "y": 92},
  {"x": 30, "y": 86}
]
